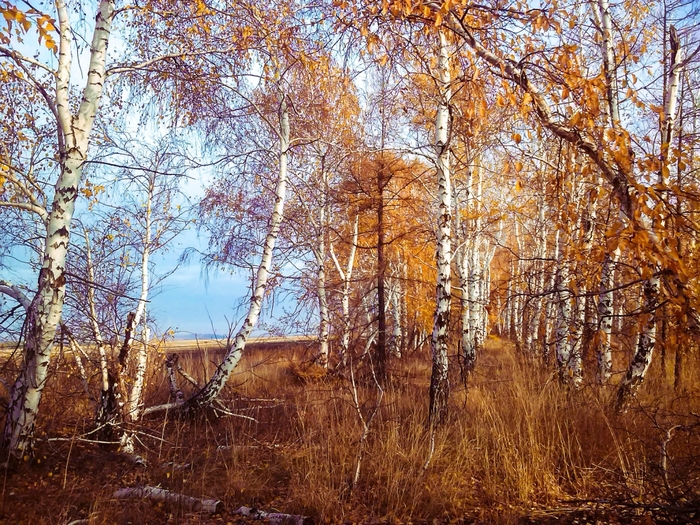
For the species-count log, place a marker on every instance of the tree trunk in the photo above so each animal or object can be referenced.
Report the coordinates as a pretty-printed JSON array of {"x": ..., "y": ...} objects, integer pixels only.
[
  {"x": 381, "y": 356},
  {"x": 533, "y": 326},
  {"x": 346, "y": 276},
  {"x": 645, "y": 346},
  {"x": 552, "y": 300},
  {"x": 211, "y": 390},
  {"x": 322, "y": 358},
  {"x": 605, "y": 318},
  {"x": 439, "y": 384},
  {"x": 45, "y": 312}
]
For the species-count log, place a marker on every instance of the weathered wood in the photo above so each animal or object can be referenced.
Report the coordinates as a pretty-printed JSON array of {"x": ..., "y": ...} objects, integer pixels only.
[
  {"x": 274, "y": 518},
  {"x": 171, "y": 498}
]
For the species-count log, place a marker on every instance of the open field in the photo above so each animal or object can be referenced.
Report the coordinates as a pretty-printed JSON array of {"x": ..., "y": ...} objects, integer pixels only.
[
  {"x": 517, "y": 448},
  {"x": 268, "y": 343}
]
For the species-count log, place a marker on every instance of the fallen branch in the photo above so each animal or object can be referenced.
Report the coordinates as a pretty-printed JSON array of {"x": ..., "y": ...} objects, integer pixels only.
[
  {"x": 187, "y": 376},
  {"x": 160, "y": 408},
  {"x": 219, "y": 409},
  {"x": 275, "y": 518},
  {"x": 172, "y": 498}
]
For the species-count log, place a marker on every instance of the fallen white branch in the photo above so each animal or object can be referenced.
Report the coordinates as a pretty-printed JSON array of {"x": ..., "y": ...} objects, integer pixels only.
[
  {"x": 171, "y": 498},
  {"x": 176, "y": 466},
  {"x": 275, "y": 518},
  {"x": 160, "y": 408},
  {"x": 219, "y": 409}
]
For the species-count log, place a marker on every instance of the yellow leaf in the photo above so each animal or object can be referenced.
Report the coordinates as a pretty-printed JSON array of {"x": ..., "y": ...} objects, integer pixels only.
[
  {"x": 517, "y": 138},
  {"x": 519, "y": 166}
]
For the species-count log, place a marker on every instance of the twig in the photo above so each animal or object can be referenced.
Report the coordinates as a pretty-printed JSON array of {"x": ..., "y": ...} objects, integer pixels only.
[
  {"x": 366, "y": 422},
  {"x": 664, "y": 453},
  {"x": 83, "y": 440}
]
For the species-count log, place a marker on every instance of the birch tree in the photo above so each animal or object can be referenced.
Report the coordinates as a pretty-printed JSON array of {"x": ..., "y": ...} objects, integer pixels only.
[
  {"x": 215, "y": 385},
  {"x": 439, "y": 385},
  {"x": 73, "y": 128}
]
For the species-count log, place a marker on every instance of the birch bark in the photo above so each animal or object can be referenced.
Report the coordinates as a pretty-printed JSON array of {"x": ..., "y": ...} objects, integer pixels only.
[
  {"x": 652, "y": 287},
  {"x": 346, "y": 277},
  {"x": 439, "y": 384},
  {"x": 605, "y": 318},
  {"x": 465, "y": 234},
  {"x": 549, "y": 328},
  {"x": 320, "y": 253},
  {"x": 532, "y": 331},
  {"x": 45, "y": 312}
]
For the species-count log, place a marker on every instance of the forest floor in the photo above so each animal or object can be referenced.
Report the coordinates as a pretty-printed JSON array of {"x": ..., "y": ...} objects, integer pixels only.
[{"x": 517, "y": 448}]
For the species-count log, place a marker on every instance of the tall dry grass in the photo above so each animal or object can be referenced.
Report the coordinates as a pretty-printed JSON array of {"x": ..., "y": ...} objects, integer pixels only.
[{"x": 515, "y": 441}]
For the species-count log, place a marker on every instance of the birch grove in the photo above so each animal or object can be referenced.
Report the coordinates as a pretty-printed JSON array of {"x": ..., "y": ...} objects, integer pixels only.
[{"x": 407, "y": 184}]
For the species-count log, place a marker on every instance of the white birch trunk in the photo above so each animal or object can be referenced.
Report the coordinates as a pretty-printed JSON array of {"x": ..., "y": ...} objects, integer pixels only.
[
  {"x": 476, "y": 277},
  {"x": 346, "y": 277},
  {"x": 45, "y": 313},
  {"x": 670, "y": 104},
  {"x": 552, "y": 300},
  {"x": 645, "y": 345},
  {"x": 517, "y": 301},
  {"x": 532, "y": 331},
  {"x": 132, "y": 411},
  {"x": 212, "y": 389},
  {"x": 508, "y": 310},
  {"x": 603, "y": 21},
  {"x": 605, "y": 318},
  {"x": 324, "y": 322},
  {"x": 95, "y": 325},
  {"x": 465, "y": 237},
  {"x": 439, "y": 384},
  {"x": 468, "y": 353},
  {"x": 564, "y": 315},
  {"x": 580, "y": 320},
  {"x": 485, "y": 290},
  {"x": 474, "y": 281}
]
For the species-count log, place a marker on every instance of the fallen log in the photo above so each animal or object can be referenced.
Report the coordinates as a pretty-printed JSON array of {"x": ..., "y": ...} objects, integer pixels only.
[
  {"x": 274, "y": 518},
  {"x": 172, "y": 498}
]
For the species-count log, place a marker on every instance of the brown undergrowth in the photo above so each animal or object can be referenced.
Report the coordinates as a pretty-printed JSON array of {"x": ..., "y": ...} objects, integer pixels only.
[{"x": 517, "y": 447}]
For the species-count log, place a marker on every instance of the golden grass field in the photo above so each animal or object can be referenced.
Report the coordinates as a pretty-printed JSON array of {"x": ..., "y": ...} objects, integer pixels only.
[{"x": 517, "y": 448}]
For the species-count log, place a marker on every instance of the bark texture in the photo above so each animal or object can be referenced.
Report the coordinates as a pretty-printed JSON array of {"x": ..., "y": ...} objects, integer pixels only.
[
  {"x": 439, "y": 384},
  {"x": 44, "y": 313}
]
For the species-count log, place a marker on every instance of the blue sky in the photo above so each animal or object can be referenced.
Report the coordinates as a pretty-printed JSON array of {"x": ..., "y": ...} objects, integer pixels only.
[{"x": 191, "y": 303}]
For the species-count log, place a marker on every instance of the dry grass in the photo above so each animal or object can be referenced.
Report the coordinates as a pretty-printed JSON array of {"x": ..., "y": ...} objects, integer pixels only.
[{"x": 516, "y": 443}]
